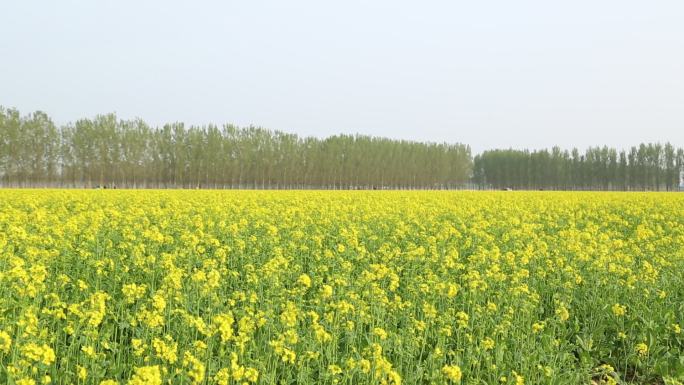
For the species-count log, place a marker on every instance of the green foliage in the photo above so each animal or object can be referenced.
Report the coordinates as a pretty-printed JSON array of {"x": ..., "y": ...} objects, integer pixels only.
[
  {"x": 646, "y": 167},
  {"x": 106, "y": 151}
]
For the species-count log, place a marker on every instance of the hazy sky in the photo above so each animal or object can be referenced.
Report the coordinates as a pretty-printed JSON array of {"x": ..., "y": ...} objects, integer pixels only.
[{"x": 487, "y": 73}]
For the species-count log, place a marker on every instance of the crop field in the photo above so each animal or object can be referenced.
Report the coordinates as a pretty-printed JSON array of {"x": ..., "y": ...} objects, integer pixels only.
[{"x": 311, "y": 287}]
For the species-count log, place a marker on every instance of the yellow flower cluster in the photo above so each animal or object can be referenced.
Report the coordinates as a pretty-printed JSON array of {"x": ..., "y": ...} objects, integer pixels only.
[
  {"x": 641, "y": 349},
  {"x": 38, "y": 353},
  {"x": 166, "y": 349},
  {"x": 146, "y": 375},
  {"x": 619, "y": 310},
  {"x": 452, "y": 373},
  {"x": 5, "y": 342}
]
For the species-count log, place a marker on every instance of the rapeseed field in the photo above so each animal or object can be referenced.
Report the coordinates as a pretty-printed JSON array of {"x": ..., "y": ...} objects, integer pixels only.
[{"x": 311, "y": 287}]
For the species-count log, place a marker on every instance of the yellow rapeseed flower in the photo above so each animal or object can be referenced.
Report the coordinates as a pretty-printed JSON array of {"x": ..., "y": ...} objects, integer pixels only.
[
  {"x": 146, "y": 375},
  {"x": 5, "y": 342},
  {"x": 619, "y": 310},
  {"x": 452, "y": 373},
  {"x": 641, "y": 349}
]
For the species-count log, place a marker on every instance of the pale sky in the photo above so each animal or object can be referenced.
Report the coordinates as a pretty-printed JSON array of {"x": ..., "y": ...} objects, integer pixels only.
[{"x": 492, "y": 74}]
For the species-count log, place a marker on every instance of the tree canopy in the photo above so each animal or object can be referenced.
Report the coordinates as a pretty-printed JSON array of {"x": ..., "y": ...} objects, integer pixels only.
[
  {"x": 110, "y": 152},
  {"x": 644, "y": 167}
]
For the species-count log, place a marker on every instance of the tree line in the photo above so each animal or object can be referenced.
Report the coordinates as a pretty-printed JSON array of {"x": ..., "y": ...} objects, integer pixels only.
[
  {"x": 109, "y": 152},
  {"x": 654, "y": 167}
]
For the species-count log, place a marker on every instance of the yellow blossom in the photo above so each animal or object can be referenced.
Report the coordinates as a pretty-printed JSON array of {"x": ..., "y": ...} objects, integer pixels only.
[
  {"x": 38, "y": 353},
  {"x": 641, "y": 349},
  {"x": 619, "y": 310},
  {"x": 81, "y": 372},
  {"x": 25, "y": 381},
  {"x": 194, "y": 368},
  {"x": 88, "y": 350},
  {"x": 166, "y": 349},
  {"x": 452, "y": 373},
  {"x": 488, "y": 343},
  {"x": 304, "y": 280},
  {"x": 146, "y": 375},
  {"x": 5, "y": 342}
]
